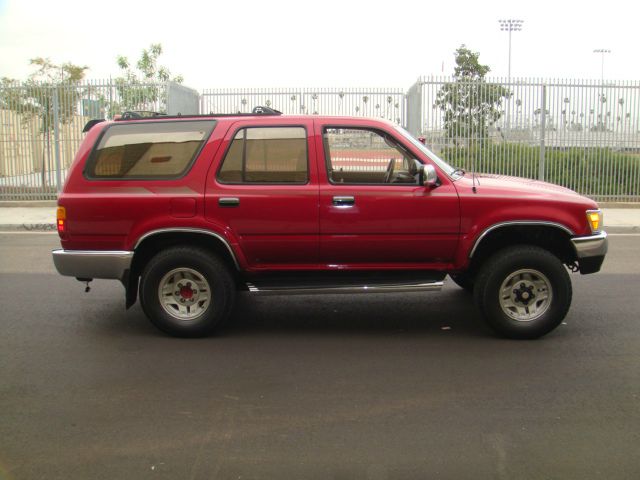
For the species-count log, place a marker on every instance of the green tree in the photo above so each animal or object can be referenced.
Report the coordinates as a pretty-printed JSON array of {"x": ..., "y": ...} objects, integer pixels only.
[
  {"x": 52, "y": 89},
  {"x": 469, "y": 103},
  {"x": 144, "y": 87}
]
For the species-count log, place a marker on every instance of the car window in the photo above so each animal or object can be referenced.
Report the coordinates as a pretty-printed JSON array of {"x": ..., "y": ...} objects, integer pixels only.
[
  {"x": 266, "y": 155},
  {"x": 364, "y": 156},
  {"x": 148, "y": 150}
]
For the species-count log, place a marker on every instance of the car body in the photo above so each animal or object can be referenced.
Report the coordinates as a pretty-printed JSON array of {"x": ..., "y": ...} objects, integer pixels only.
[{"x": 301, "y": 204}]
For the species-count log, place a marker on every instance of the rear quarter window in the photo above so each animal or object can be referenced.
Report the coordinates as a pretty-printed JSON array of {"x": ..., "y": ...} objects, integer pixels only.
[{"x": 148, "y": 150}]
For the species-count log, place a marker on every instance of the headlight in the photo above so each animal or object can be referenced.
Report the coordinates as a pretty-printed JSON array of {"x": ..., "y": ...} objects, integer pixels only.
[{"x": 594, "y": 219}]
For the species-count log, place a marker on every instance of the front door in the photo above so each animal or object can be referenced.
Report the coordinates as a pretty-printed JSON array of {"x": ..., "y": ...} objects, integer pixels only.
[{"x": 373, "y": 212}]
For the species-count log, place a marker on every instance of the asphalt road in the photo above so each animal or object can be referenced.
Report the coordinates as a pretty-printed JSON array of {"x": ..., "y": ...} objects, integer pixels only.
[{"x": 402, "y": 386}]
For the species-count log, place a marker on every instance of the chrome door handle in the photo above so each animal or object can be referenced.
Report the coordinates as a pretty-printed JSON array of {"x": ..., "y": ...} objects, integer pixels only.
[
  {"x": 228, "y": 201},
  {"x": 344, "y": 201}
]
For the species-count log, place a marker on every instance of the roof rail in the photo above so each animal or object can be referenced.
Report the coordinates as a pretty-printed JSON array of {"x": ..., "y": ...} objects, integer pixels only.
[
  {"x": 89, "y": 125},
  {"x": 143, "y": 115}
]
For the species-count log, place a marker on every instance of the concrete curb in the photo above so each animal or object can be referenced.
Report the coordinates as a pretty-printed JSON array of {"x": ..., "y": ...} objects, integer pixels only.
[
  {"x": 28, "y": 203},
  {"x": 623, "y": 229},
  {"x": 29, "y": 227}
]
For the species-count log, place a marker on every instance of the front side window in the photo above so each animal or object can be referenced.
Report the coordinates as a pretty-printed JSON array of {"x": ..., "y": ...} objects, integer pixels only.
[
  {"x": 148, "y": 150},
  {"x": 266, "y": 155},
  {"x": 361, "y": 156}
]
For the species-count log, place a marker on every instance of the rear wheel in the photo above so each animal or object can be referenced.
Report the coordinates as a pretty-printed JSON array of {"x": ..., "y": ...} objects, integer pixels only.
[
  {"x": 186, "y": 292},
  {"x": 523, "y": 292}
]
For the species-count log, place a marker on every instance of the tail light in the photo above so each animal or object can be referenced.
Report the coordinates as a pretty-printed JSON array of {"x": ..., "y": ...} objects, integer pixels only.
[{"x": 61, "y": 217}]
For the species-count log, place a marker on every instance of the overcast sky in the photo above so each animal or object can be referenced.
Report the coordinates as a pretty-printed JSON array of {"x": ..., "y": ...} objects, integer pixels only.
[{"x": 328, "y": 43}]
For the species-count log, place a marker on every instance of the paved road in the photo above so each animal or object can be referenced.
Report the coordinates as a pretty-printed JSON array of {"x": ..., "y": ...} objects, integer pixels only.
[{"x": 335, "y": 387}]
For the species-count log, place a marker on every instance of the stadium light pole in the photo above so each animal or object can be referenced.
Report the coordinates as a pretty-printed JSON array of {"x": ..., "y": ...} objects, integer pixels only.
[
  {"x": 602, "y": 52},
  {"x": 510, "y": 25}
]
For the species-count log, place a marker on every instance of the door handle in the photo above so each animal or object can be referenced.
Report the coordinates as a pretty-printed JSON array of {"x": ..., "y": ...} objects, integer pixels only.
[
  {"x": 229, "y": 201},
  {"x": 344, "y": 201}
]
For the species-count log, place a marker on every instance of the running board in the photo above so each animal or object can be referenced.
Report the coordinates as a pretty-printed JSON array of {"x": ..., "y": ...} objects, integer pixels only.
[{"x": 429, "y": 286}]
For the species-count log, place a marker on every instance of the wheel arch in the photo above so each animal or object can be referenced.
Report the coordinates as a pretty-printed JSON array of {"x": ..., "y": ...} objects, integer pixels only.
[
  {"x": 554, "y": 237},
  {"x": 154, "y": 241}
]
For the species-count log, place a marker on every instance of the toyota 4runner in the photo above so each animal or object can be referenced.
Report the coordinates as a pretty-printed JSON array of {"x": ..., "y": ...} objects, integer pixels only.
[{"x": 186, "y": 211}]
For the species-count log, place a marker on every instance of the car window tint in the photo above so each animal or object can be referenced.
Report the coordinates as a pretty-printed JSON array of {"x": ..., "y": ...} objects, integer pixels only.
[
  {"x": 148, "y": 150},
  {"x": 266, "y": 155}
]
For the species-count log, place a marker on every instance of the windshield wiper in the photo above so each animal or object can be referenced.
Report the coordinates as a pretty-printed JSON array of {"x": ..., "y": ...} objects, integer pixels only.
[{"x": 458, "y": 171}]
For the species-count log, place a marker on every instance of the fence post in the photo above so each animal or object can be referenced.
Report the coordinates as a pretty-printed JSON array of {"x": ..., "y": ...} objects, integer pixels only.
[
  {"x": 543, "y": 125},
  {"x": 56, "y": 137},
  {"x": 414, "y": 108}
]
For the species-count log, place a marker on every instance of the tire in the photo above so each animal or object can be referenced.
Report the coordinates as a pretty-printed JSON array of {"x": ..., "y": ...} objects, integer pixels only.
[
  {"x": 186, "y": 292},
  {"x": 536, "y": 292},
  {"x": 464, "y": 280}
]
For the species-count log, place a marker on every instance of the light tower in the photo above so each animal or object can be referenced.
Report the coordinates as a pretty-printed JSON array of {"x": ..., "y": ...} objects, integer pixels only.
[
  {"x": 602, "y": 52},
  {"x": 510, "y": 25}
]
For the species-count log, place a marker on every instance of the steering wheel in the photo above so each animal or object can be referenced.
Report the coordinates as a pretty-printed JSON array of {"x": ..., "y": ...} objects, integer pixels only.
[{"x": 390, "y": 168}]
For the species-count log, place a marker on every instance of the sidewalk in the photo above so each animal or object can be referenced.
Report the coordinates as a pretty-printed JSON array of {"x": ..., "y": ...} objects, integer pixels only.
[{"x": 43, "y": 218}]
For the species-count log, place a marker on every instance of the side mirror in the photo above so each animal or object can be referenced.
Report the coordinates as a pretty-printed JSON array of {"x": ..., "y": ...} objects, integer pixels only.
[{"x": 427, "y": 176}]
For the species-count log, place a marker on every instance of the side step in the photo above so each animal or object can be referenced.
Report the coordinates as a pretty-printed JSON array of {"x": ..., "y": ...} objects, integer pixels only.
[{"x": 337, "y": 284}]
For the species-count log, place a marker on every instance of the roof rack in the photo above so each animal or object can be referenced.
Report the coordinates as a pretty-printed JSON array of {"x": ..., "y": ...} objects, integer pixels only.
[
  {"x": 144, "y": 115},
  {"x": 139, "y": 114},
  {"x": 259, "y": 110}
]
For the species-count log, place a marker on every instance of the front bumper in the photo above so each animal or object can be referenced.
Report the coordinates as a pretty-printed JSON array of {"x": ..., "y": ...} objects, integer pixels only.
[
  {"x": 590, "y": 251},
  {"x": 88, "y": 264}
]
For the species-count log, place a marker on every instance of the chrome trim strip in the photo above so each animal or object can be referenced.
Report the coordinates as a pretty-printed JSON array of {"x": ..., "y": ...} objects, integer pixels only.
[
  {"x": 351, "y": 289},
  {"x": 516, "y": 223},
  {"x": 92, "y": 263},
  {"x": 591, "y": 246},
  {"x": 189, "y": 230}
]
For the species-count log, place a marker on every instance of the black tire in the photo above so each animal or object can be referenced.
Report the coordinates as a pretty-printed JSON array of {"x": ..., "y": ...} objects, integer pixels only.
[
  {"x": 533, "y": 309},
  {"x": 199, "y": 270},
  {"x": 464, "y": 280}
]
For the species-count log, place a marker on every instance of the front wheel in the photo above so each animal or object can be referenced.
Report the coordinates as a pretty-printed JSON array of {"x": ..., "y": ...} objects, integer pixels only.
[
  {"x": 523, "y": 292},
  {"x": 186, "y": 291}
]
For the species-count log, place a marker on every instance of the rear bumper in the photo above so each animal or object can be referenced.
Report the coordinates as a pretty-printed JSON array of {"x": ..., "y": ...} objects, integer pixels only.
[
  {"x": 590, "y": 251},
  {"x": 88, "y": 264}
]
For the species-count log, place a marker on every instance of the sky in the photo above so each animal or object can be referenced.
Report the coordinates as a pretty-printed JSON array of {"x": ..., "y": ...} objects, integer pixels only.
[{"x": 329, "y": 43}]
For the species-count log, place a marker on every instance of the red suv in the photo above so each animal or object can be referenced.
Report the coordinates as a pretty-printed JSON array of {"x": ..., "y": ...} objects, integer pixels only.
[{"x": 185, "y": 211}]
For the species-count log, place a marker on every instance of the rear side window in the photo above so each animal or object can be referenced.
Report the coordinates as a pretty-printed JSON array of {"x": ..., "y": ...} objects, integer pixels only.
[
  {"x": 266, "y": 155},
  {"x": 148, "y": 150}
]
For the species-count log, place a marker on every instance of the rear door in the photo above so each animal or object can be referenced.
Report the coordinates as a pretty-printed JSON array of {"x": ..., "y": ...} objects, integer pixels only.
[{"x": 264, "y": 189}]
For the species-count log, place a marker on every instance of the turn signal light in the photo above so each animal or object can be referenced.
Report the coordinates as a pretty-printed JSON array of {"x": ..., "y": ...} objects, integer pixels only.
[
  {"x": 594, "y": 217},
  {"x": 61, "y": 216}
]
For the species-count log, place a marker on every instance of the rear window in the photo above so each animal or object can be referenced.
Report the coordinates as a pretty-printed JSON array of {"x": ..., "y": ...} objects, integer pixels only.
[{"x": 148, "y": 150}]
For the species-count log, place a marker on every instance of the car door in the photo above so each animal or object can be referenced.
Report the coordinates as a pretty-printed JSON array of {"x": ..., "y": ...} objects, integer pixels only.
[
  {"x": 264, "y": 191},
  {"x": 373, "y": 212}
]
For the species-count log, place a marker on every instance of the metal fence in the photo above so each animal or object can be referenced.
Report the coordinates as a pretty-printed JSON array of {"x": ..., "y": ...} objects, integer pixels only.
[
  {"x": 584, "y": 135},
  {"x": 358, "y": 102}
]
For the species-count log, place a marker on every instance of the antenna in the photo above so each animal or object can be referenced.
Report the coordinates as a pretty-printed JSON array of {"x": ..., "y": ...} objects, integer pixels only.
[{"x": 473, "y": 176}]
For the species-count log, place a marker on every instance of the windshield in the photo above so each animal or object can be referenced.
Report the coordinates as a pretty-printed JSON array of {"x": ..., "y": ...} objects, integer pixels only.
[{"x": 448, "y": 169}]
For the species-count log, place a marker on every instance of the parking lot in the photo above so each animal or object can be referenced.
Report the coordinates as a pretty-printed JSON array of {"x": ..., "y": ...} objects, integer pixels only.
[{"x": 389, "y": 386}]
